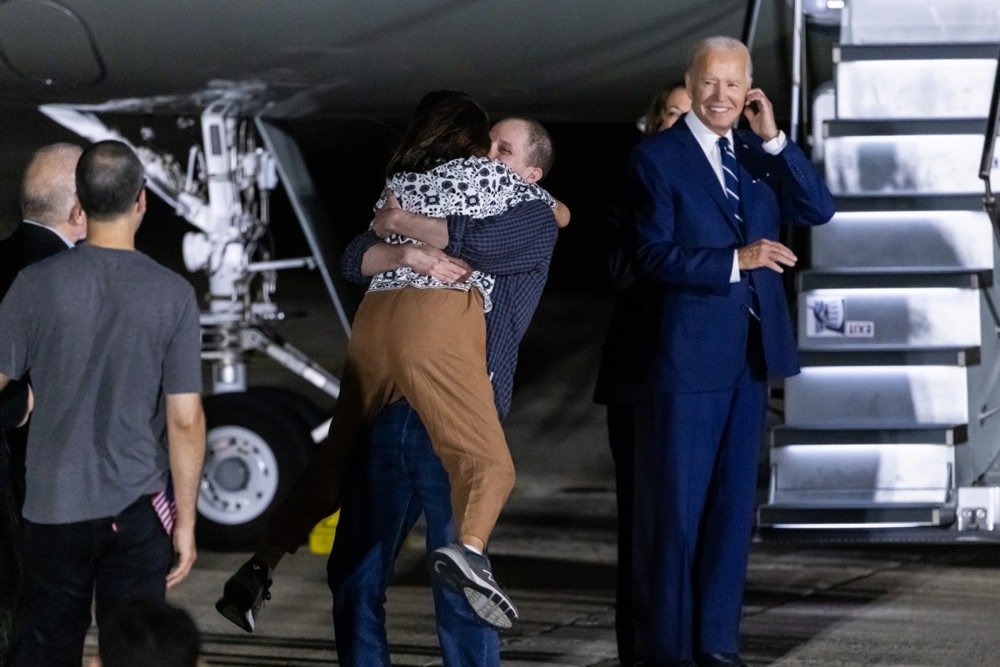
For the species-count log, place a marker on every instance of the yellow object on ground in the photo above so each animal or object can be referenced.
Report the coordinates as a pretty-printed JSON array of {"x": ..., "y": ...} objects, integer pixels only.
[{"x": 321, "y": 537}]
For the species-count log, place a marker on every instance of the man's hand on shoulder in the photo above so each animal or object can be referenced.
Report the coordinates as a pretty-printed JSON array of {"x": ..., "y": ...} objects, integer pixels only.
[{"x": 562, "y": 214}]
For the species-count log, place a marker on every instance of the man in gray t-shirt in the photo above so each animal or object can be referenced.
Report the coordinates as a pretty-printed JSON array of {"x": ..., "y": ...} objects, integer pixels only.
[{"x": 113, "y": 344}]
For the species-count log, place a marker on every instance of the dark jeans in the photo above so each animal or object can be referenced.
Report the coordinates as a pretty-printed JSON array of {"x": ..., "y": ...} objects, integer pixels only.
[
  {"x": 70, "y": 565},
  {"x": 395, "y": 478},
  {"x": 11, "y": 562}
]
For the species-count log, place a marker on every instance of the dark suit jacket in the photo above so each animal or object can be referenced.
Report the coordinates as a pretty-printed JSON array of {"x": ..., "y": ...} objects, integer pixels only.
[
  {"x": 27, "y": 245},
  {"x": 685, "y": 234},
  {"x": 620, "y": 376}
]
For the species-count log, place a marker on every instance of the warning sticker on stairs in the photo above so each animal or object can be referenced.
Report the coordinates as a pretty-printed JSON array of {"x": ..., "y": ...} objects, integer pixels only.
[{"x": 827, "y": 316}]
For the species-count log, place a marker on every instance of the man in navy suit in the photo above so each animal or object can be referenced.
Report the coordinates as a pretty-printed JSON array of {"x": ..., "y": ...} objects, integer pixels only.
[{"x": 708, "y": 202}]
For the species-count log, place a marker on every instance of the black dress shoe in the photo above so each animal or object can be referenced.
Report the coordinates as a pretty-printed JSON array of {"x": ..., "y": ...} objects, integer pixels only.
[{"x": 720, "y": 660}]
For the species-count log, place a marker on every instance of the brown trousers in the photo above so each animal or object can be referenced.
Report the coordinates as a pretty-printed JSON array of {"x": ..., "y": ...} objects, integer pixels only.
[{"x": 429, "y": 347}]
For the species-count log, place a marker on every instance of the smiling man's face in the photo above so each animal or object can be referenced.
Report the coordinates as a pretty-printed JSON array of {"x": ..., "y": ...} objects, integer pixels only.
[
  {"x": 718, "y": 84},
  {"x": 510, "y": 145}
]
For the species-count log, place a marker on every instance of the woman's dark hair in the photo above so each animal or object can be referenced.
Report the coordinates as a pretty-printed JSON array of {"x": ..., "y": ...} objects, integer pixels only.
[
  {"x": 446, "y": 125},
  {"x": 653, "y": 118}
]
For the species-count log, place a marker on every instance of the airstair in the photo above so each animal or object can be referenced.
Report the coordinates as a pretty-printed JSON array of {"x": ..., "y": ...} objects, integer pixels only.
[{"x": 892, "y": 430}]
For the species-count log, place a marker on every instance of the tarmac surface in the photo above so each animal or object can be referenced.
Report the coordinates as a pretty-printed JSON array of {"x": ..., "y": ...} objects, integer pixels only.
[
  {"x": 554, "y": 549},
  {"x": 921, "y": 606},
  {"x": 841, "y": 605}
]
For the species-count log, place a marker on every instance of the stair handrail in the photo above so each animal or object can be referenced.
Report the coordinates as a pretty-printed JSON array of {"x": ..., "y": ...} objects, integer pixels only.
[
  {"x": 989, "y": 143},
  {"x": 750, "y": 23}
]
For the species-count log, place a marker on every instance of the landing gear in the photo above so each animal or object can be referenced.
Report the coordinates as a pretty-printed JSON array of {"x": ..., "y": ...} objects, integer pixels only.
[{"x": 258, "y": 441}]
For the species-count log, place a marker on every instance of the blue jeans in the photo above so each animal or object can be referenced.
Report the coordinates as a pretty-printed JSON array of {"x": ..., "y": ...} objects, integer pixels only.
[
  {"x": 71, "y": 565},
  {"x": 393, "y": 479}
]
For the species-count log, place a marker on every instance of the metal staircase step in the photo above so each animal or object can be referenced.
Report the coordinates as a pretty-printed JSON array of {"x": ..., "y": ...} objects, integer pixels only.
[
  {"x": 931, "y": 434},
  {"x": 847, "y": 356},
  {"x": 787, "y": 516},
  {"x": 853, "y": 475},
  {"x": 844, "y": 53},
  {"x": 904, "y": 240},
  {"x": 879, "y": 396},
  {"x": 892, "y": 81},
  {"x": 895, "y": 127},
  {"x": 888, "y": 318},
  {"x": 911, "y": 201},
  {"x": 904, "y": 156},
  {"x": 920, "y": 21},
  {"x": 902, "y": 278}
]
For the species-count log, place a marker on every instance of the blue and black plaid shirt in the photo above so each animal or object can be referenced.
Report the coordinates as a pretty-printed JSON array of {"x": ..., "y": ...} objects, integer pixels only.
[{"x": 516, "y": 247}]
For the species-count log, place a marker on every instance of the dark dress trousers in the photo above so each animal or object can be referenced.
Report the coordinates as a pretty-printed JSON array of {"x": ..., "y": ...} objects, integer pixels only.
[{"x": 620, "y": 387}]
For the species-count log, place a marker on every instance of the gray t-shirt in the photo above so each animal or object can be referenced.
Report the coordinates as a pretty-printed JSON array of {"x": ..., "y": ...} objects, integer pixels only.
[{"x": 106, "y": 334}]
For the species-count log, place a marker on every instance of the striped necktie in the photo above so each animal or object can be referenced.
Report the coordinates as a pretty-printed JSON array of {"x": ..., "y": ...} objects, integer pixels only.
[
  {"x": 729, "y": 174},
  {"x": 729, "y": 171}
]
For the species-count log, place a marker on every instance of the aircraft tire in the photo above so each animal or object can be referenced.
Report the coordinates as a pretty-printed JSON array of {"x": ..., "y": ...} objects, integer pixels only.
[
  {"x": 291, "y": 401},
  {"x": 256, "y": 446}
]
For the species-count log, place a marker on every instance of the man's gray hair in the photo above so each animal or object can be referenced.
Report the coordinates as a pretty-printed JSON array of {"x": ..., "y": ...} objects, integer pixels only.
[
  {"x": 48, "y": 189},
  {"x": 718, "y": 43}
]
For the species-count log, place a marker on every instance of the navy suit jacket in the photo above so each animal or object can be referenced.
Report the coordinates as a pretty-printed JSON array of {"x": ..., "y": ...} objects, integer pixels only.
[{"x": 685, "y": 234}]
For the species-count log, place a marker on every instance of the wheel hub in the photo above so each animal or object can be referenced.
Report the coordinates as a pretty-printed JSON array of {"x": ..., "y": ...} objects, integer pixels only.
[{"x": 240, "y": 477}]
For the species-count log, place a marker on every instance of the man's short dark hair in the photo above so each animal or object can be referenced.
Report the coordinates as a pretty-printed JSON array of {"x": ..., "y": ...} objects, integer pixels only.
[
  {"x": 540, "y": 152},
  {"x": 151, "y": 633},
  {"x": 109, "y": 179}
]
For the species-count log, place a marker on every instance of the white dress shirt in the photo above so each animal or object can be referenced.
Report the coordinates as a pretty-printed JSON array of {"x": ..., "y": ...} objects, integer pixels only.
[{"x": 709, "y": 142}]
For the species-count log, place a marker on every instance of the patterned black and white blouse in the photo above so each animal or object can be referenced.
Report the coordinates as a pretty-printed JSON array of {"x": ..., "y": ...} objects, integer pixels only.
[{"x": 478, "y": 187}]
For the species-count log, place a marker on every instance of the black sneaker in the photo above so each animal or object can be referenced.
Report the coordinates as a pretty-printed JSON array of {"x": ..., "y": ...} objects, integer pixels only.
[
  {"x": 459, "y": 569},
  {"x": 245, "y": 593}
]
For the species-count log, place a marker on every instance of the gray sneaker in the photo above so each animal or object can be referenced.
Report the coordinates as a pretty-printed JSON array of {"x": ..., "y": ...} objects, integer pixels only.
[
  {"x": 245, "y": 593},
  {"x": 455, "y": 567}
]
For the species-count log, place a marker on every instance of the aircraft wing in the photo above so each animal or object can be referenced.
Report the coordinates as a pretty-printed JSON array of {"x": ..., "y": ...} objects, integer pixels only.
[{"x": 577, "y": 60}]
